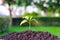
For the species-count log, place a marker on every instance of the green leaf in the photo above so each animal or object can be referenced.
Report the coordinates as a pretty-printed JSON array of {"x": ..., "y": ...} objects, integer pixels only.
[
  {"x": 10, "y": 1},
  {"x": 36, "y": 21},
  {"x": 58, "y": 10},
  {"x": 34, "y": 14},
  {"x": 24, "y": 21}
]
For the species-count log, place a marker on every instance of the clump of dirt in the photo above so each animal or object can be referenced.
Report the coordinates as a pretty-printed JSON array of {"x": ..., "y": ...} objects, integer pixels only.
[{"x": 29, "y": 35}]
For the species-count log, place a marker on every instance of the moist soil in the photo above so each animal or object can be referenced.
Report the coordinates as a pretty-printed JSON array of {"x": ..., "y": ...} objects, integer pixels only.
[{"x": 29, "y": 35}]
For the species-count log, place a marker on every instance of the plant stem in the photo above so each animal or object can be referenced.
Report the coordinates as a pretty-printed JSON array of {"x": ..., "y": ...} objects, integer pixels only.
[{"x": 29, "y": 24}]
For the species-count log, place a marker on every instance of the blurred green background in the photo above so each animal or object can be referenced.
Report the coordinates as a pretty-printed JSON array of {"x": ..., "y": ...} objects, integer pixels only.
[{"x": 46, "y": 19}]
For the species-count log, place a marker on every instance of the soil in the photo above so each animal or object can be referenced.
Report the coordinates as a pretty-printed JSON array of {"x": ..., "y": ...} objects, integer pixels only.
[{"x": 29, "y": 35}]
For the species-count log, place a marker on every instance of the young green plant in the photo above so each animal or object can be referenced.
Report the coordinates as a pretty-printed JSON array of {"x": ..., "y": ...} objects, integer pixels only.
[{"x": 29, "y": 17}]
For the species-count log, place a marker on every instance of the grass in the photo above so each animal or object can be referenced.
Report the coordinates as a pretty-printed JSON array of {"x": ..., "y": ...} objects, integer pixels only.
[{"x": 54, "y": 30}]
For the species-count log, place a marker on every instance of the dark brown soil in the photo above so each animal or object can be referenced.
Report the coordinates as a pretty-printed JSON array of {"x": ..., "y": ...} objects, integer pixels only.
[{"x": 29, "y": 35}]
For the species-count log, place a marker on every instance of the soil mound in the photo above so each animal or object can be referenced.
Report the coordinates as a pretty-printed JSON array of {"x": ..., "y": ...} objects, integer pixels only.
[{"x": 29, "y": 35}]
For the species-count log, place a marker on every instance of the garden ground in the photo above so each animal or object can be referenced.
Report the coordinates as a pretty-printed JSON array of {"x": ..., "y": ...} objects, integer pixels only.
[{"x": 54, "y": 30}]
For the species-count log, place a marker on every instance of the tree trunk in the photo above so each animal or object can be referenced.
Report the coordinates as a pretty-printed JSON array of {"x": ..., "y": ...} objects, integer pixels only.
[{"x": 10, "y": 24}]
